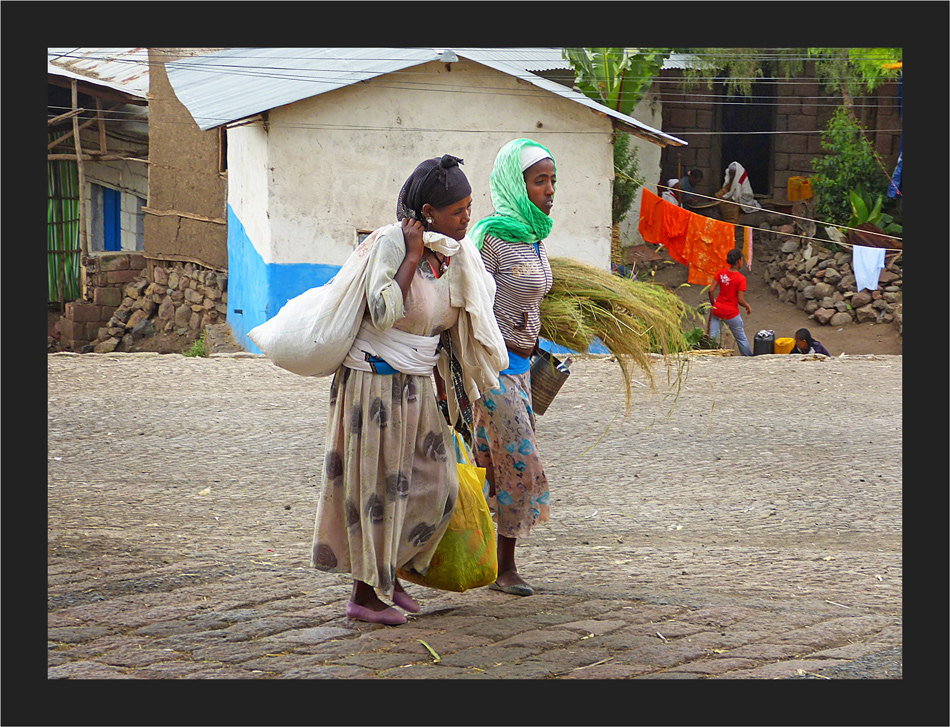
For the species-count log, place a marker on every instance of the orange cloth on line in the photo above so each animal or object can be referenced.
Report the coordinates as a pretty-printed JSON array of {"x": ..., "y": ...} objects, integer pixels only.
[
  {"x": 675, "y": 226},
  {"x": 663, "y": 223},
  {"x": 651, "y": 217},
  {"x": 695, "y": 240},
  {"x": 708, "y": 241}
]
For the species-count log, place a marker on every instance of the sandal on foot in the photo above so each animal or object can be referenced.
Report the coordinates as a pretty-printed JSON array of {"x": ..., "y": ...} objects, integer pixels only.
[
  {"x": 389, "y": 616},
  {"x": 515, "y": 589},
  {"x": 405, "y": 602}
]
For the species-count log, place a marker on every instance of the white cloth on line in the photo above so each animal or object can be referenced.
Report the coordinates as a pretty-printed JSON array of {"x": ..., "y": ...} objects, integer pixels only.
[{"x": 867, "y": 263}]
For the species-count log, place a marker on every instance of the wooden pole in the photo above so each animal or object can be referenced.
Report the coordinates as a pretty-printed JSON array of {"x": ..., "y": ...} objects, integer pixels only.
[
  {"x": 102, "y": 127},
  {"x": 83, "y": 239}
]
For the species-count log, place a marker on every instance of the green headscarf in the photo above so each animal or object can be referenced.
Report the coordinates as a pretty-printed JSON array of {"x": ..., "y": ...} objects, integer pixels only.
[{"x": 516, "y": 218}]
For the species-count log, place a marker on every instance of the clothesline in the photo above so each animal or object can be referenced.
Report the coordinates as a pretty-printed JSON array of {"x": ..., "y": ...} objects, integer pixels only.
[{"x": 787, "y": 214}]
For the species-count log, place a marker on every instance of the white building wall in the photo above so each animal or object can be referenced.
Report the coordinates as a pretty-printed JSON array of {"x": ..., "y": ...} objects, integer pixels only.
[
  {"x": 248, "y": 180},
  {"x": 331, "y": 166},
  {"x": 650, "y": 112}
]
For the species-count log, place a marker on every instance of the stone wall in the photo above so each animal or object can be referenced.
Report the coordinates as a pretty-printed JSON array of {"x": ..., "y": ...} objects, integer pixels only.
[
  {"x": 128, "y": 299},
  {"x": 105, "y": 277},
  {"x": 818, "y": 279}
]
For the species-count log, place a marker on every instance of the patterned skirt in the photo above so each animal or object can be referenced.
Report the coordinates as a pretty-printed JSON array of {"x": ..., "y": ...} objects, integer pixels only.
[
  {"x": 389, "y": 486},
  {"x": 506, "y": 446}
]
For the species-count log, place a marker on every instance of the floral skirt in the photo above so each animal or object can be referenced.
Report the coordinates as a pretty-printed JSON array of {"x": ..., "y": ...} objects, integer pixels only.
[
  {"x": 506, "y": 446},
  {"x": 389, "y": 486}
]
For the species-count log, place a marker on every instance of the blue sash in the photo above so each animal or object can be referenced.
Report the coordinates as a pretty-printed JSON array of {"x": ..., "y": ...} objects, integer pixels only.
[{"x": 517, "y": 365}]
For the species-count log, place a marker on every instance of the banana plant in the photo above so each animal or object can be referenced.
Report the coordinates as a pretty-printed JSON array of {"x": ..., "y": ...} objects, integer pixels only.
[
  {"x": 616, "y": 77},
  {"x": 864, "y": 209}
]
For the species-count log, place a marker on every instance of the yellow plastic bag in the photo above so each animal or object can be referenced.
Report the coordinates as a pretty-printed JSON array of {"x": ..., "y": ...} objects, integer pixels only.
[{"x": 466, "y": 557}]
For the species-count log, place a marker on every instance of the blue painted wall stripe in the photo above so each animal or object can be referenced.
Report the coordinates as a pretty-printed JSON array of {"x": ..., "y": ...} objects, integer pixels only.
[{"x": 258, "y": 290}]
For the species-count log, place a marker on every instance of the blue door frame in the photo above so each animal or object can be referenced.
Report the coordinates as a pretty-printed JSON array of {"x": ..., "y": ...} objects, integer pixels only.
[{"x": 111, "y": 207}]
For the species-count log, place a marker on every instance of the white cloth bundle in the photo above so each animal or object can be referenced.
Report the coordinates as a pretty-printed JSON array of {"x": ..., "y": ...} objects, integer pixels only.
[
  {"x": 314, "y": 332},
  {"x": 405, "y": 352},
  {"x": 476, "y": 339}
]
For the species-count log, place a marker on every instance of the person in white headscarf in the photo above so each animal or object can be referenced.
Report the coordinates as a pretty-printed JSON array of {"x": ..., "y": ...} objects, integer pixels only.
[
  {"x": 670, "y": 193},
  {"x": 737, "y": 188}
]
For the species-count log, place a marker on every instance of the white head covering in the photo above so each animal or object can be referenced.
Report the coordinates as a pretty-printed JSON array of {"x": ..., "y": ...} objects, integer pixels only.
[
  {"x": 531, "y": 155},
  {"x": 669, "y": 194},
  {"x": 740, "y": 190}
]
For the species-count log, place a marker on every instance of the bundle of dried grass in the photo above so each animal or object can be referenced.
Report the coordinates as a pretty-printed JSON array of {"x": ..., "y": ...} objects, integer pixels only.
[{"x": 631, "y": 318}]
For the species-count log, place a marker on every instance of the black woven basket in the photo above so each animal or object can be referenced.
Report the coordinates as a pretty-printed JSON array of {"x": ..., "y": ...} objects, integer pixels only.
[{"x": 546, "y": 381}]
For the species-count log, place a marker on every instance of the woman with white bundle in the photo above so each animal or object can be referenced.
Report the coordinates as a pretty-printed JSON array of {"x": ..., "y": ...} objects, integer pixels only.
[{"x": 389, "y": 479}]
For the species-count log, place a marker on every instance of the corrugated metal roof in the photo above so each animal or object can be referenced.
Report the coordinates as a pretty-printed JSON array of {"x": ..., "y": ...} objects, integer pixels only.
[
  {"x": 234, "y": 84},
  {"x": 633, "y": 125},
  {"x": 230, "y": 85},
  {"x": 123, "y": 69}
]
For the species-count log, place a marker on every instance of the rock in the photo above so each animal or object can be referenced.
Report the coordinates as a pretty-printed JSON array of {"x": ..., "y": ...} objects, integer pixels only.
[
  {"x": 107, "y": 346},
  {"x": 865, "y": 313},
  {"x": 160, "y": 276},
  {"x": 143, "y": 328},
  {"x": 824, "y": 315},
  {"x": 135, "y": 288},
  {"x": 136, "y": 318},
  {"x": 790, "y": 246},
  {"x": 166, "y": 311},
  {"x": 840, "y": 319},
  {"x": 823, "y": 290},
  {"x": 860, "y": 299},
  {"x": 182, "y": 315},
  {"x": 832, "y": 276}
]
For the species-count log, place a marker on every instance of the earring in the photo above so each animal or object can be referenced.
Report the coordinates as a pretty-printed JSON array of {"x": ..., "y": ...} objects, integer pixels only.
[{"x": 429, "y": 220}]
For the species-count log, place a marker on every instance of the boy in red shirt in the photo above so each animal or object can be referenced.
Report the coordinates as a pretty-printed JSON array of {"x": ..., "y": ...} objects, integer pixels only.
[{"x": 731, "y": 286}]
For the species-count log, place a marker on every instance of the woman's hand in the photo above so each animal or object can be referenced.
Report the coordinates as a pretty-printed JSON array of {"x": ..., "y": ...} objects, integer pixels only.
[{"x": 412, "y": 231}]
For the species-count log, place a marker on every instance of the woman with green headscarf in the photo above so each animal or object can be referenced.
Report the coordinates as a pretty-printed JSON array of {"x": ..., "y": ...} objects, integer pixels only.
[{"x": 511, "y": 242}]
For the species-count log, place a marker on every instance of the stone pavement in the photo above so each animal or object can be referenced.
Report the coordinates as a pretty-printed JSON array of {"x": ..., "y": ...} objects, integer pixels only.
[{"x": 746, "y": 525}]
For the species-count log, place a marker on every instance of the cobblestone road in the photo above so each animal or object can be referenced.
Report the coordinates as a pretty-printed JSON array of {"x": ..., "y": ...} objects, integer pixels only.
[{"x": 749, "y": 528}]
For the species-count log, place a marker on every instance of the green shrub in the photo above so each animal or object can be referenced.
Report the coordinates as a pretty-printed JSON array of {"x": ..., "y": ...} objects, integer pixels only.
[
  {"x": 627, "y": 177},
  {"x": 849, "y": 164},
  {"x": 198, "y": 348}
]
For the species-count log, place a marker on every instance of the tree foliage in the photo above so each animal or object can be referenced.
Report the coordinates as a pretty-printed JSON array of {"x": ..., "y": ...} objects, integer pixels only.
[
  {"x": 849, "y": 164},
  {"x": 849, "y": 72}
]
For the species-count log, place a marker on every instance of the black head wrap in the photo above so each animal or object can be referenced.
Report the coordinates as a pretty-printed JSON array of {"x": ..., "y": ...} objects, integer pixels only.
[{"x": 439, "y": 182}]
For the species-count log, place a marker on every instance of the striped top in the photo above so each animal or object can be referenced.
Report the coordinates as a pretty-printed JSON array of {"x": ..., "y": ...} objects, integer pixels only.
[{"x": 522, "y": 278}]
